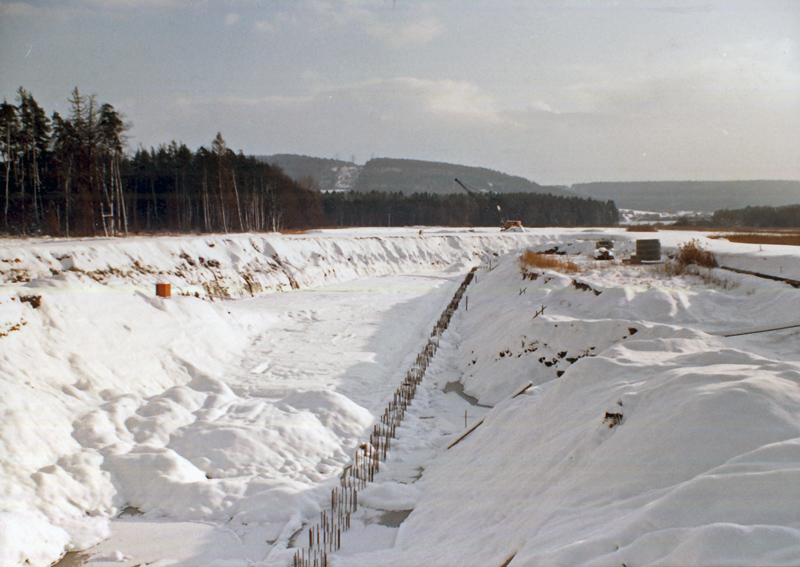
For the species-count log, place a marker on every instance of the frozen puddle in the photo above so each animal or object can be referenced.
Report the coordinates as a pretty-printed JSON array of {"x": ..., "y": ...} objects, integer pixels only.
[
  {"x": 72, "y": 559},
  {"x": 458, "y": 388},
  {"x": 393, "y": 519}
]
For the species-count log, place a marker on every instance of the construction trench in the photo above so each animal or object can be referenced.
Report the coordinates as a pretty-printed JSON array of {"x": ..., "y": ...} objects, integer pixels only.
[
  {"x": 326, "y": 535},
  {"x": 389, "y": 451}
]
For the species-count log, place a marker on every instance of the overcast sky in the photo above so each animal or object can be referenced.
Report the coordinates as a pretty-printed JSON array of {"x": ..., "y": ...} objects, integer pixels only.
[{"x": 556, "y": 91}]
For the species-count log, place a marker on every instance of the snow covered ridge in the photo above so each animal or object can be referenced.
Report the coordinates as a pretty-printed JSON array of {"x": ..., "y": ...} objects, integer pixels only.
[{"x": 249, "y": 264}]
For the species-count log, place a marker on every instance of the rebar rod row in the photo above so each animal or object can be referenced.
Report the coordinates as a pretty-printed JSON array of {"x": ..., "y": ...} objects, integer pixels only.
[{"x": 326, "y": 535}]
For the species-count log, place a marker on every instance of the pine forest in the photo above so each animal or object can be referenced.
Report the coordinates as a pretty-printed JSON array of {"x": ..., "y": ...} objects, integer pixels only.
[{"x": 75, "y": 176}]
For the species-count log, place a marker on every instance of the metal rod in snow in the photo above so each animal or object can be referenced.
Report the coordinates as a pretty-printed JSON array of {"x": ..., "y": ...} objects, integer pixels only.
[
  {"x": 762, "y": 331},
  {"x": 509, "y": 560},
  {"x": 791, "y": 282},
  {"x": 522, "y": 391},
  {"x": 467, "y": 432},
  {"x": 474, "y": 427}
]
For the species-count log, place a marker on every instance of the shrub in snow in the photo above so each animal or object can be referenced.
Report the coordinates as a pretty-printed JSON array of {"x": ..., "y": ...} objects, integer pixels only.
[
  {"x": 692, "y": 252},
  {"x": 530, "y": 259}
]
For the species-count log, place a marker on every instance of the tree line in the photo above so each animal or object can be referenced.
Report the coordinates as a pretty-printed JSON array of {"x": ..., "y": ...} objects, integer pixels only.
[
  {"x": 73, "y": 176},
  {"x": 758, "y": 217},
  {"x": 533, "y": 209}
]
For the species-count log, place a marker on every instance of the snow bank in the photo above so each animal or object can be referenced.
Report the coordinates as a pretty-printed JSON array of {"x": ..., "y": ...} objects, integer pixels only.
[
  {"x": 646, "y": 439},
  {"x": 247, "y": 264}
]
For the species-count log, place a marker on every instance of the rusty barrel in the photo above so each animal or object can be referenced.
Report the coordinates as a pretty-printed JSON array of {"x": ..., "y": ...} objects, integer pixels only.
[{"x": 163, "y": 290}]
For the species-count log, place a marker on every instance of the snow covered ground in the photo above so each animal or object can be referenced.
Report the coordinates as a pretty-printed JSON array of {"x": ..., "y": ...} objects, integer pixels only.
[{"x": 198, "y": 430}]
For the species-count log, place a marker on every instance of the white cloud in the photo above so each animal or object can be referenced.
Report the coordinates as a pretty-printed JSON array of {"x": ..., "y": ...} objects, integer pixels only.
[
  {"x": 460, "y": 100},
  {"x": 263, "y": 26},
  {"x": 417, "y": 32},
  {"x": 753, "y": 76},
  {"x": 402, "y": 105},
  {"x": 18, "y": 9},
  {"x": 231, "y": 19},
  {"x": 413, "y": 99},
  {"x": 73, "y": 8},
  {"x": 407, "y": 98},
  {"x": 133, "y": 4},
  {"x": 377, "y": 18},
  {"x": 458, "y": 122}
]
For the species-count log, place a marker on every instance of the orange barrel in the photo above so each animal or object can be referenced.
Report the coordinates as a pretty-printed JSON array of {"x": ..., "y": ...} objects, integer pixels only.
[{"x": 163, "y": 289}]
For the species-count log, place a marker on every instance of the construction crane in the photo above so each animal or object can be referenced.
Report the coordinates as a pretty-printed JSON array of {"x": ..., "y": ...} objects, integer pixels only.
[{"x": 506, "y": 224}]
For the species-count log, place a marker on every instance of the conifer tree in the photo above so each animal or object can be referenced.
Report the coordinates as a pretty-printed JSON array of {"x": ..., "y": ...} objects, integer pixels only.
[{"x": 9, "y": 131}]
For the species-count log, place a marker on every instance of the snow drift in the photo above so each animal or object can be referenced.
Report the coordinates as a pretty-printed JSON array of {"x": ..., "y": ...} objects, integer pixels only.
[
  {"x": 648, "y": 437},
  {"x": 114, "y": 398}
]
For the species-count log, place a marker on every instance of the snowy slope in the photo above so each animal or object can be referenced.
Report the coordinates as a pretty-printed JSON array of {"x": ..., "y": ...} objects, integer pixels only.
[
  {"x": 112, "y": 397},
  {"x": 227, "y": 422},
  {"x": 662, "y": 443}
]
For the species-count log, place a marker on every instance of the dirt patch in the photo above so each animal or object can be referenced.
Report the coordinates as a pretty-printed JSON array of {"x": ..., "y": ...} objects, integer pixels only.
[{"x": 34, "y": 300}]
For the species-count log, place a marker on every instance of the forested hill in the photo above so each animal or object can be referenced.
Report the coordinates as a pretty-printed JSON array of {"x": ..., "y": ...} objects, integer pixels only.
[
  {"x": 72, "y": 175},
  {"x": 412, "y": 176},
  {"x": 701, "y": 196},
  {"x": 403, "y": 176},
  {"x": 322, "y": 173}
]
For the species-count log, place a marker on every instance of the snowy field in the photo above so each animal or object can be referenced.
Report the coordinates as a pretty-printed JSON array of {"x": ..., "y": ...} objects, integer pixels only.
[{"x": 209, "y": 428}]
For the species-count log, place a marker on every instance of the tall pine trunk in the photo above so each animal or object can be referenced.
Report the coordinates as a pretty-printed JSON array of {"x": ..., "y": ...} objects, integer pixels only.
[{"x": 238, "y": 206}]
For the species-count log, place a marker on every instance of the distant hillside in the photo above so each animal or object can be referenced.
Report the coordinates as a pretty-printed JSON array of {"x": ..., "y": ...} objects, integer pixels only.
[
  {"x": 330, "y": 174},
  {"x": 701, "y": 196},
  {"x": 759, "y": 217},
  {"x": 413, "y": 176},
  {"x": 404, "y": 176}
]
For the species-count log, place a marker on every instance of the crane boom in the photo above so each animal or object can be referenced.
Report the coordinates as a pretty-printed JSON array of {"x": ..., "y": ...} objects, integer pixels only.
[{"x": 482, "y": 202}]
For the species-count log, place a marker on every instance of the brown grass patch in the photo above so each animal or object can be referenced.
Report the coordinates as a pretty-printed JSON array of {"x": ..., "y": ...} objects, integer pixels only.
[
  {"x": 530, "y": 259},
  {"x": 755, "y": 238},
  {"x": 692, "y": 252},
  {"x": 641, "y": 228}
]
